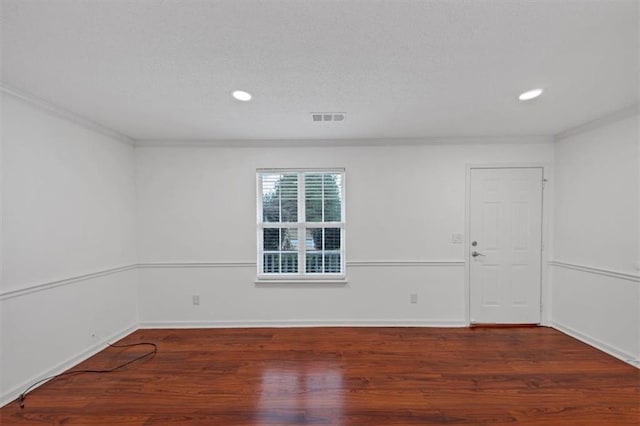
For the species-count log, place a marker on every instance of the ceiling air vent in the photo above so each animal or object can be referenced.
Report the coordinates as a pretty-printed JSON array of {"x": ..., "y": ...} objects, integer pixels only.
[{"x": 328, "y": 116}]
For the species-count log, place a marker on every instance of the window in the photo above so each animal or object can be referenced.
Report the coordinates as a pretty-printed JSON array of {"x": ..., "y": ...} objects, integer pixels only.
[{"x": 300, "y": 224}]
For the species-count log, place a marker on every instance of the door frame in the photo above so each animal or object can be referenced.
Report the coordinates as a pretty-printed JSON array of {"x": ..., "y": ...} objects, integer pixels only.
[{"x": 547, "y": 197}]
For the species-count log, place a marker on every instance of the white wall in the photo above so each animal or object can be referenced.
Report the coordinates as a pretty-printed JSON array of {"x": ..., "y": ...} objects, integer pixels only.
[
  {"x": 197, "y": 204},
  {"x": 71, "y": 221},
  {"x": 596, "y": 290},
  {"x": 68, "y": 243},
  {"x": 2, "y": 316}
]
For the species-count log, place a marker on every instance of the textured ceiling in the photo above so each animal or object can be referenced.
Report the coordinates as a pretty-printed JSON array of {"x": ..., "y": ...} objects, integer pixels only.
[{"x": 153, "y": 69}]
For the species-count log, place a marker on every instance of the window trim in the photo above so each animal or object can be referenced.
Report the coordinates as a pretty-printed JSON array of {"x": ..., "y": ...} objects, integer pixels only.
[{"x": 301, "y": 276}]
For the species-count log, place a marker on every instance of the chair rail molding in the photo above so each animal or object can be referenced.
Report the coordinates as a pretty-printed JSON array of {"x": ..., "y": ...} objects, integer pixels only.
[
  {"x": 65, "y": 281},
  {"x": 598, "y": 271},
  {"x": 209, "y": 265}
]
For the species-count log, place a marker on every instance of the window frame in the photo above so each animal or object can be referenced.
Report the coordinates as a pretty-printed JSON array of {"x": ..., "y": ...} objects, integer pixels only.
[{"x": 302, "y": 226}]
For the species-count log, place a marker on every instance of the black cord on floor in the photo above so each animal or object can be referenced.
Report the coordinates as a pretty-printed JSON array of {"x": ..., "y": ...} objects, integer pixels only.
[{"x": 151, "y": 353}]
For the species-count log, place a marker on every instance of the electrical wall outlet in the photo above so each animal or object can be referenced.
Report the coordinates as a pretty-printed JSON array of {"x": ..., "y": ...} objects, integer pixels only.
[
  {"x": 413, "y": 298},
  {"x": 195, "y": 300}
]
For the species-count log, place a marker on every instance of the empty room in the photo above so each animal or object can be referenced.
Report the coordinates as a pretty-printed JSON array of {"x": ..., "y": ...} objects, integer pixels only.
[{"x": 356, "y": 212}]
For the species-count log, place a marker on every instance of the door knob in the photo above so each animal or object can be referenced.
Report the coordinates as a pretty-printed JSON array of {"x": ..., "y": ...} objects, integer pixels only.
[{"x": 476, "y": 254}]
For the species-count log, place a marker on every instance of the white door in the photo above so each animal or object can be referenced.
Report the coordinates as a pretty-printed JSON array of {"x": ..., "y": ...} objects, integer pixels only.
[{"x": 505, "y": 242}]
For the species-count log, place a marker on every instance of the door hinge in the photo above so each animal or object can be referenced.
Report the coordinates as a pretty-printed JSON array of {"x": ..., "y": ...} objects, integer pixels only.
[{"x": 544, "y": 182}]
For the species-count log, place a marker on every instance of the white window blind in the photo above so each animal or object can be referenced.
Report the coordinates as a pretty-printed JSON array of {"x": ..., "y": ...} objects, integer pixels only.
[{"x": 301, "y": 224}]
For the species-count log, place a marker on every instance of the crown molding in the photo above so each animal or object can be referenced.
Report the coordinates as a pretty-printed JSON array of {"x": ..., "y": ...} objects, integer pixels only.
[
  {"x": 314, "y": 143},
  {"x": 65, "y": 114},
  {"x": 618, "y": 115}
]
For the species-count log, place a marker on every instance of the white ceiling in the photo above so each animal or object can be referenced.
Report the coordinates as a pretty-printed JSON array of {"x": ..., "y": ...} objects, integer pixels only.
[{"x": 165, "y": 69}]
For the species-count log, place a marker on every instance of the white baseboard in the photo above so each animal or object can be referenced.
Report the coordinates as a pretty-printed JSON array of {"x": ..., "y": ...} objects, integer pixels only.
[
  {"x": 14, "y": 393},
  {"x": 302, "y": 323},
  {"x": 598, "y": 344}
]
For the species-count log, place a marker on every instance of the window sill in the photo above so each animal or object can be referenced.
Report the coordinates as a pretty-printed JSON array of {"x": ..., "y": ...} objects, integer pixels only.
[{"x": 300, "y": 282}]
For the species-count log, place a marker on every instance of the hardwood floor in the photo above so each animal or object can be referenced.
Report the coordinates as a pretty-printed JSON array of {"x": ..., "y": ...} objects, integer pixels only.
[{"x": 344, "y": 376}]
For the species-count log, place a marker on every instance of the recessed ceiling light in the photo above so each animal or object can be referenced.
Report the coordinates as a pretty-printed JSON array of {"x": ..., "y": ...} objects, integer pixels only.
[
  {"x": 530, "y": 94},
  {"x": 241, "y": 95}
]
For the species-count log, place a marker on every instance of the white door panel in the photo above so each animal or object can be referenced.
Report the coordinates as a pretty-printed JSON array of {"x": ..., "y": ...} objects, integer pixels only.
[{"x": 505, "y": 223}]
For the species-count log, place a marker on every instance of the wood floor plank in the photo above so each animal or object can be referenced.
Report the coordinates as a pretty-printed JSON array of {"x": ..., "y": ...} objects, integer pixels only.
[{"x": 344, "y": 376}]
